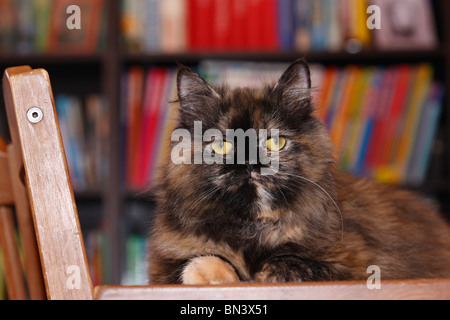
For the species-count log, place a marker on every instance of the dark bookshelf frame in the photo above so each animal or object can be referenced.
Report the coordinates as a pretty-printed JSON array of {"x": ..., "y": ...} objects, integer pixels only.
[{"x": 114, "y": 195}]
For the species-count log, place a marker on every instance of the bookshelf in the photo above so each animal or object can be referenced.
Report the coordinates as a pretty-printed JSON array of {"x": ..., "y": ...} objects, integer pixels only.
[{"x": 101, "y": 72}]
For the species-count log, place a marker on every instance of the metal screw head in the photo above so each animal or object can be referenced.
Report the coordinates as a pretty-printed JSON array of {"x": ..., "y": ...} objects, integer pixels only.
[{"x": 35, "y": 115}]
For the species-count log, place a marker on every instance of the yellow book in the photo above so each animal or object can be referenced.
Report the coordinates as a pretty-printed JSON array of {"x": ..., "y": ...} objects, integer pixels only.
[
  {"x": 359, "y": 22},
  {"x": 358, "y": 114},
  {"x": 340, "y": 121}
]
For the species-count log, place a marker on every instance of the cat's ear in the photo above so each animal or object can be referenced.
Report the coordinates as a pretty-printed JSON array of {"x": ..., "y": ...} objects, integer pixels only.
[
  {"x": 191, "y": 85},
  {"x": 198, "y": 100},
  {"x": 293, "y": 88}
]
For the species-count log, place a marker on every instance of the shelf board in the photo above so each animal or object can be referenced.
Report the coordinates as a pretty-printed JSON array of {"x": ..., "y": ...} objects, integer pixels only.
[
  {"x": 325, "y": 57},
  {"x": 94, "y": 194},
  {"x": 50, "y": 58},
  {"x": 194, "y": 57}
]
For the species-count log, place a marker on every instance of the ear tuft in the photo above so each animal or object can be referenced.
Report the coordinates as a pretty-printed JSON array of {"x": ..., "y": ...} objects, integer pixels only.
[
  {"x": 292, "y": 91},
  {"x": 297, "y": 76},
  {"x": 190, "y": 83}
]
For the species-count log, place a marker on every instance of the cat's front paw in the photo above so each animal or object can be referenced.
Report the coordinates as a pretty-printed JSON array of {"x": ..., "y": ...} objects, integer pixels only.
[
  {"x": 208, "y": 270},
  {"x": 289, "y": 269}
]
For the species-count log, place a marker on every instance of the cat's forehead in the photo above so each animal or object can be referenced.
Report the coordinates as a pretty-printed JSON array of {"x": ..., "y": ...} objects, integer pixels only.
[{"x": 246, "y": 108}]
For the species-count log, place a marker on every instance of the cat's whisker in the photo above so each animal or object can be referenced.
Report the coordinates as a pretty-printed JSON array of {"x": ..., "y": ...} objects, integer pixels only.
[
  {"x": 282, "y": 193},
  {"x": 328, "y": 195},
  {"x": 203, "y": 197}
]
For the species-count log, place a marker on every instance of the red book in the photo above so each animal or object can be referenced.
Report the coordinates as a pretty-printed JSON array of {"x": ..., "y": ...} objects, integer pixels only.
[
  {"x": 149, "y": 123},
  {"x": 270, "y": 25},
  {"x": 200, "y": 22},
  {"x": 191, "y": 19},
  {"x": 378, "y": 105},
  {"x": 134, "y": 109},
  {"x": 254, "y": 24},
  {"x": 222, "y": 29},
  {"x": 394, "y": 112},
  {"x": 239, "y": 16}
]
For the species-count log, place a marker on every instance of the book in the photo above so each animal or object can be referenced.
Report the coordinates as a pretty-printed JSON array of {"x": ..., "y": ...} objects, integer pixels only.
[
  {"x": 169, "y": 119},
  {"x": 153, "y": 27},
  {"x": 269, "y": 25},
  {"x": 426, "y": 133},
  {"x": 7, "y": 32},
  {"x": 419, "y": 98},
  {"x": 373, "y": 116},
  {"x": 42, "y": 10},
  {"x": 82, "y": 39},
  {"x": 171, "y": 17},
  {"x": 201, "y": 22},
  {"x": 132, "y": 17},
  {"x": 239, "y": 33},
  {"x": 56, "y": 26},
  {"x": 136, "y": 262},
  {"x": 360, "y": 120},
  {"x": 221, "y": 26},
  {"x": 134, "y": 111},
  {"x": 254, "y": 25},
  {"x": 303, "y": 15},
  {"x": 167, "y": 89},
  {"x": 70, "y": 117},
  {"x": 286, "y": 24},
  {"x": 406, "y": 24},
  {"x": 149, "y": 124}
]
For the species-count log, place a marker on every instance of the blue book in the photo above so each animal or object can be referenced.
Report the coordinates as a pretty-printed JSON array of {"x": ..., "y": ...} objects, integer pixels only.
[
  {"x": 286, "y": 23},
  {"x": 426, "y": 135}
]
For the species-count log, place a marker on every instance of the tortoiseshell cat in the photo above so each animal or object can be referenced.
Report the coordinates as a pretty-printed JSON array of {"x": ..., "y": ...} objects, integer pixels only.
[{"x": 226, "y": 223}]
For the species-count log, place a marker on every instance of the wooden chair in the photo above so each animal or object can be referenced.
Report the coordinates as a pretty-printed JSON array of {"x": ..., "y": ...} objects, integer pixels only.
[{"x": 37, "y": 145}]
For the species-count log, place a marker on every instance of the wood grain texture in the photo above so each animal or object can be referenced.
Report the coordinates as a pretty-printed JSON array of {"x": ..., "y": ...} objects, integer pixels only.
[
  {"x": 339, "y": 290},
  {"x": 15, "y": 284},
  {"x": 6, "y": 195},
  {"x": 63, "y": 259},
  {"x": 33, "y": 270}
]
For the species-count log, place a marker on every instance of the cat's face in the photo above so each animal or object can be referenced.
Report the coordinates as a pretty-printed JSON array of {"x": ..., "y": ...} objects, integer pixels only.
[{"x": 301, "y": 148}]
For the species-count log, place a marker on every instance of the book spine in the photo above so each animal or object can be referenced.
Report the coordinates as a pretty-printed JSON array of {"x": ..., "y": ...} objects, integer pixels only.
[
  {"x": 134, "y": 109},
  {"x": 239, "y": 26},
  {"x": 222, "y": 29},
  {"x": 286, "y": 24},
  {"x": 255, "y": 25},
  {"x": 269, "y": 25}
]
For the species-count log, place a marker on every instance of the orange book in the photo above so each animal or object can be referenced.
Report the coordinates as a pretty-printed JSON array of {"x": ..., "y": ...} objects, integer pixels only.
[
  {"x": 340, "y": 121},
  {"x": 329, "y": 80}
]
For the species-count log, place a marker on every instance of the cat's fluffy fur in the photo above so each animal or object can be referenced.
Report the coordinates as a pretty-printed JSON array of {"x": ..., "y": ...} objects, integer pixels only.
[{"x": 227, "y": 223}]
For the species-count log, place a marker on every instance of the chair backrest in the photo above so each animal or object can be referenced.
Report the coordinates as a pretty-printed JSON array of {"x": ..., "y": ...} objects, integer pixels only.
[
  {"x": 38, "y": 145},
  {"x": 13, "y": 194}
]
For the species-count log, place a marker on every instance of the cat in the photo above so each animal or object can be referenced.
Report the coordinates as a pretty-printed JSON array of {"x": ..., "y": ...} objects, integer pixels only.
[{"x": 228, "y": 223}]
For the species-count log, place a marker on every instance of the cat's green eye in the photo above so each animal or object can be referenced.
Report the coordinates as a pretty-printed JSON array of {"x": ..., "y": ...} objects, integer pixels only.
[
  {"x": 222, "y": 147},
  {"x": 276, "y": 143}
]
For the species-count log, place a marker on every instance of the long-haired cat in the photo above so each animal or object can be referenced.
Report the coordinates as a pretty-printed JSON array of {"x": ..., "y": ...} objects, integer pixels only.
[{"x": 226, "y": 223}]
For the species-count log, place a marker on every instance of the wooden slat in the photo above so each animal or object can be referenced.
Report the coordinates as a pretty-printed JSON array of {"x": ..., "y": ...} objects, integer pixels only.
[
  {"x": 59, "y": 237},
  {"x": 33, "y": 268},
  {"x": 339, "y": 290},
  {"x": 15, "y": 284},
  {"x": 6, "y": 196}
]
